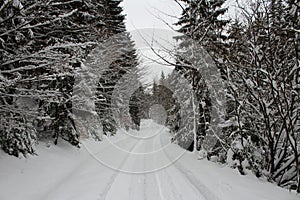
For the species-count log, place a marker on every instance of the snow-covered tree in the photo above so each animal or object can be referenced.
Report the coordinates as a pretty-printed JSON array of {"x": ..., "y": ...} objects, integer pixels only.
[
  {"x": 42, "y": 45},
  {"x": 119, "y": 47},
  {"x": 263, "y": 77},
  {"x": 202, "y": 25}
]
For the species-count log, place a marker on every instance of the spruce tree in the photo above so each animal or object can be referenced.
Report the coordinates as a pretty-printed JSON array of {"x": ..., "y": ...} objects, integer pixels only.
[
  {"x": 42, "y": 44},
  {"x": 119, "y": 47},
  {"x": 201, "y": 24}
]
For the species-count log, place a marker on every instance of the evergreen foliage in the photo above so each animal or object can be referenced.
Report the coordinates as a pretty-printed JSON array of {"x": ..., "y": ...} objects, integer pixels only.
[{"x": 42, "y": 47}]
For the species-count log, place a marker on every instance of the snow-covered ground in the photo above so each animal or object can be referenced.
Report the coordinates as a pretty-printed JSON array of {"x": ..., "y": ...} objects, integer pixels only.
[{"x": 130, "y": 166}]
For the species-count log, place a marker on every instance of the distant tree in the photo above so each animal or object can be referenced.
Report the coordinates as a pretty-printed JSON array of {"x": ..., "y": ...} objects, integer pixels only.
[{"x": 135, "y": 106}]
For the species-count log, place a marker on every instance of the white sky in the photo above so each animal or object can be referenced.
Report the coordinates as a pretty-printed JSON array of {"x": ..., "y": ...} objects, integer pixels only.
[
  {"x": 143, "y": 18},
  {"x": 144, "y": 15}
]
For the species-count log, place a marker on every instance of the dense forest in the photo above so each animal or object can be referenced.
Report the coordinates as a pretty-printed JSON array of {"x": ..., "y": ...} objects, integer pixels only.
[
  {"x": 257, "y": 57},
  {"x": 43, "y": 47},
  {"x": 47, "y": 47}
]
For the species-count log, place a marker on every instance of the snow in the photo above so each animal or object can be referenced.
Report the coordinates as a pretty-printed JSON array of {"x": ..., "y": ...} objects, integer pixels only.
[{"x": 134, "y": 166}]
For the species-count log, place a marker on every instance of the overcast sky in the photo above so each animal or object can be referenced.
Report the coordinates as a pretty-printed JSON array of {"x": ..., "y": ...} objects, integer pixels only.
[{"x": 144, "y": 15}]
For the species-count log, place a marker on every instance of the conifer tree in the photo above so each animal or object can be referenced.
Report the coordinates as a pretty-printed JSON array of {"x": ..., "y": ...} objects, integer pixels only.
[
  {"x": 119, "y": 47},
  {"x": 201, "y": 23},
  {"x": 42, "y": 44}
]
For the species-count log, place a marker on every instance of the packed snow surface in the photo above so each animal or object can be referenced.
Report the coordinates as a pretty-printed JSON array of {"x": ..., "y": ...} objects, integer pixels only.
[{"x": 138, "y": 165}]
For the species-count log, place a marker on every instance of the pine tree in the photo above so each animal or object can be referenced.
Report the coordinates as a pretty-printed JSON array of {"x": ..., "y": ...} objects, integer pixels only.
[
  {"x": 135, "y": 107},
  {"x": 119, "y": 47},
  {"x": 42, "y": 44},
  {"x": 180, "y": 113},
  {"x": 201, "y": 23}
]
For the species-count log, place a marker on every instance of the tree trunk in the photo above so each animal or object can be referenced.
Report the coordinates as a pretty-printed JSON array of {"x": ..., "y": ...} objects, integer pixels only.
[{"x": 195, "y": 123}]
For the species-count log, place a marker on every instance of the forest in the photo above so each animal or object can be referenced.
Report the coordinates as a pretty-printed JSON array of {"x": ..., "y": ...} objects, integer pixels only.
[{"x": 62, "y": 62}]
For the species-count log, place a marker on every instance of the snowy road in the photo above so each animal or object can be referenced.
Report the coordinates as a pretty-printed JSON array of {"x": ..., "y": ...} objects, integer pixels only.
[
  {"x": 135, "y": 166},
  {"x": 156, "y": 177}
]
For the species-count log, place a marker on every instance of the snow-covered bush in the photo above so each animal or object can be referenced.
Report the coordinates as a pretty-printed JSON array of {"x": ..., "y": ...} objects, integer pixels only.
[{"x": 17, "y": 138}]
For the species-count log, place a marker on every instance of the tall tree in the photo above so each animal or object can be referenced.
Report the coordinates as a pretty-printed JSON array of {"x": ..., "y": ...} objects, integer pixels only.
[
  {"x": 202, "y": 25},
  {"x": 120, "y": 49},
  {"x": 42, "y": 45},
  {"x": 263, "y": 74}
]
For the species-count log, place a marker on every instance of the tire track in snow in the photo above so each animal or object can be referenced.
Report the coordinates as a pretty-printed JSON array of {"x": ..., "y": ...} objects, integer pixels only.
[
  {"x": 114, "y": 178},
  {"x": 202, "y": 189},
  {"x": 69, "y": 175},
  {"x": 156, "y": 173},
  {"x": 103, "y": 194},
  {"x": 206, "y": 192},
  {"x": 165, "y": 171},
  {"x": 144, "y": 181}
]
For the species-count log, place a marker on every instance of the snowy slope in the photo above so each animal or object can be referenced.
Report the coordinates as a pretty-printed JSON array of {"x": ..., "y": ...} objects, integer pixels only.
[{"x": 135, "y": 166}]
